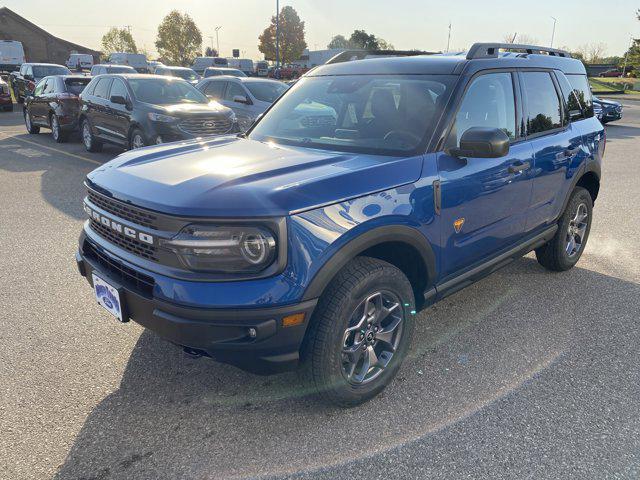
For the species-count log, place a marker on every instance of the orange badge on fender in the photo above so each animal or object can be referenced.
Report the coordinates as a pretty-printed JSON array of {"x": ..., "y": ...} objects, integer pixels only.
[{"x": 458, "y": 224}]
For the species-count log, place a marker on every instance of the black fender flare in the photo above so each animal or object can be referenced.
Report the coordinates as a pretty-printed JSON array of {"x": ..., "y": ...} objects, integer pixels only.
[
  {"x": 366, "y": 240},
  {"x": 591, "y": 166}
]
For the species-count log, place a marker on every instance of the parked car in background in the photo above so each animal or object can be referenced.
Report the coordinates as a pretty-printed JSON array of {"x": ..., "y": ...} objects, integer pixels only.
[
  {"x": 80, "y": 61},
  {"x": 6, "y": 103},
  {"x": 613, "y": 73},
  {"x": 243, "y": 64},
  {"x": 218, "y": 71},
  {"x": 262, "y": 69},
  {"x": 135, "y": 60},
  {"x": 25, "y": 80},
  {"x": 184, "y": 73},
  {"x": 248, "y": 97},
  {"x": 200, "y": 63},
  {"x": 153, "y": 64},
  {"x": 102, "y": 69},
  {"x": 55, "y": 104},
  {"x": 11, "y": 55},
  {"x": 607, "y": 110},
  {"x": 132, "y": 111}
]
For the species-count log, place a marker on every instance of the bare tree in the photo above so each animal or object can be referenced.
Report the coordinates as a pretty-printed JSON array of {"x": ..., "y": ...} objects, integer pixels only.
[
  {"x": 591, "y": 52},
  {"x": 521, "y": 38}
]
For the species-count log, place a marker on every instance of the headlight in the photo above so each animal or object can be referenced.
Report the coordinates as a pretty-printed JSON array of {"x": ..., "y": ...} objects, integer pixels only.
[
  {"x": 159, "y": 117},
  {"x": 224, "y": 249}
]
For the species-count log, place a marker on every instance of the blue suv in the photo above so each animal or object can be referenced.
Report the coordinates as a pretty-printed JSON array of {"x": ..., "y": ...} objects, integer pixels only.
[{"x": 370, "y": 190}]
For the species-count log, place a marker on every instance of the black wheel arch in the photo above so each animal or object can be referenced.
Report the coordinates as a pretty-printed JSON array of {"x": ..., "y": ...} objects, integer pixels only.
[{"x": 587, "y": 177}]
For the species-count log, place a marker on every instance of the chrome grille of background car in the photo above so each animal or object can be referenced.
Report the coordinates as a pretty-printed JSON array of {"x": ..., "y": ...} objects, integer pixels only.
[
  {"x": 206, "y": 125},
  {"x": 124, "y": 211}
]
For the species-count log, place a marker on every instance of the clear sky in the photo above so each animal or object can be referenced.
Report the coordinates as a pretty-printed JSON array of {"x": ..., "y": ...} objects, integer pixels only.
[{"x": 421, "y": 24}]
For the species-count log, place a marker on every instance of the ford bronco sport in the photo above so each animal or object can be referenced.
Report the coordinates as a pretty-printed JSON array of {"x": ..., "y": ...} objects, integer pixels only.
[{"x": 370, "y": 190}]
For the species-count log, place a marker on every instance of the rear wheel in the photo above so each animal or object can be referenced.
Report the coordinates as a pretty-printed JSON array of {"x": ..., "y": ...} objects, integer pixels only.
[
  {"x": 361, "y": 332},
  {"x": 56, "y": 132},
  {"x": 565, "y": 249},
  {"x": 89, "y": 141},
  {"x": 31, "y": 128}
]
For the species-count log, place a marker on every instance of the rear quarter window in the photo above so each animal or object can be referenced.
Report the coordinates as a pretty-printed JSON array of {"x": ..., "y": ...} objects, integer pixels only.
[{"x": 582, "y": 90}]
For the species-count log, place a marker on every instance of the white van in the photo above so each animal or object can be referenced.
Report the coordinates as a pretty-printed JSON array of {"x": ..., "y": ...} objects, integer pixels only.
[
  {"x": 243, "y": 64},
  {"x": 201, "y": 63},
  {"x": 135, "y": 60},
  {"x": 80, "y": 61},
  {"x": 11, "y": 55}
]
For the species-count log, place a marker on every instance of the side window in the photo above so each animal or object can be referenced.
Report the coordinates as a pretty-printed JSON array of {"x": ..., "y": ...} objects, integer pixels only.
[
  {"x": 118, "y": 88},
  {"x": 233, "y": 89},
  {"x": 489, "y": 102},
  {"x": 214, "y": 89},
  {"x": 90, "y": 88},
  {"x": 39, "y": 88},
  {"x": 50, "y": 86},
  {"x": 572, "y": 107},
  {"x": 102, "y": 88},
  {"x": 29, "y": 70},
  {"x": 582, "y": 91},
  {"x": 545, "y": 111}
]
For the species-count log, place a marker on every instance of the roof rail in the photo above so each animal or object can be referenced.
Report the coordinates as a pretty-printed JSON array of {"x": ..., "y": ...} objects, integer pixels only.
[
  {"x": 349, "y": 55},
  {"x": 491, "y": 50}
]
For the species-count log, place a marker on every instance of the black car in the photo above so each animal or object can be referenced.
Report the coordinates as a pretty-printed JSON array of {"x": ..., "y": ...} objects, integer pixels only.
[
  {"x": 103, "y": 69},
  {"x": 25, "y": 80},
  {"x": 55, "y": 104},
  {"x": 133, "y": 111},
  {"x": 607, "y": 110}
]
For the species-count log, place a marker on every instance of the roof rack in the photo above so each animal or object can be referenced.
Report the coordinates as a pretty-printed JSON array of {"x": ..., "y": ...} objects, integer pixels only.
[
  {"x": 349, "y": 55},
  {"x": 491, "y": 50}
]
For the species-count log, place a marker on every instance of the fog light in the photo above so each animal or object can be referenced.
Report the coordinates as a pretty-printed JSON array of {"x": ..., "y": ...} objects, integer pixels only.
[
  {"x": 252, "y": 332},
  {"x": 293, "y": 320}
]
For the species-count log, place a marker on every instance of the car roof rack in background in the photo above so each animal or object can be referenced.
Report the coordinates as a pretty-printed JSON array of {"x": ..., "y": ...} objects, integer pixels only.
[
  {"x": 491, "y": 50},
  {"x": 349, "y": 55}
]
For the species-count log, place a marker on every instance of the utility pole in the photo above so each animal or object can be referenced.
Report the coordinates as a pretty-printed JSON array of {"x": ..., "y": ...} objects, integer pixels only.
[
  {"x": 218, "y": 39},
  {"x": 277, "y": 33},
  {"x": 449, "y": 38},
  {"x": 553, "y": 33}
]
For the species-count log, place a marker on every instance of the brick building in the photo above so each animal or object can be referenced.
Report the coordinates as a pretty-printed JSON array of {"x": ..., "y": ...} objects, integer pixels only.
[{"x": 39, "y": 45}]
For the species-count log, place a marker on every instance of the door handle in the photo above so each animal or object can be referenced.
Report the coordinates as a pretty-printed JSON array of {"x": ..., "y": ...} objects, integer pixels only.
[{"x": 519, "y": 167}]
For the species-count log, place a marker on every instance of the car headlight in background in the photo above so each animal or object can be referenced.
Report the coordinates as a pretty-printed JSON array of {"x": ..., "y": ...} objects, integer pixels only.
[
  {"x": 224, "y": 249},
  {"x": 159, "y": 117}
]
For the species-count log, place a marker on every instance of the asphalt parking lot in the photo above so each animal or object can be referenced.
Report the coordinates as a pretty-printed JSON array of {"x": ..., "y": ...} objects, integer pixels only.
[{"x": 526, "y": 374}]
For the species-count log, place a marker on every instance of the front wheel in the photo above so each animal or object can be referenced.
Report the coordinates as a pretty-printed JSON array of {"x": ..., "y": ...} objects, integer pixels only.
[
  {"x": 564, "y": 250},
  {"x": 28, "y": 123},
  {"x": 361, "y": 332},
  {"x": 89, "y": 141}
]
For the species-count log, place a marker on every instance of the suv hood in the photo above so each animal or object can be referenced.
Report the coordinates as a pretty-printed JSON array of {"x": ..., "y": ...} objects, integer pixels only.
[{"x": 237, "y": 177}]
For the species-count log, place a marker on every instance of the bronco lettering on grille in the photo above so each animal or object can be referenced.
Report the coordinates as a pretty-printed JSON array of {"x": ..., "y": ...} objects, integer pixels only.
[{"x": 118, "y": 227}]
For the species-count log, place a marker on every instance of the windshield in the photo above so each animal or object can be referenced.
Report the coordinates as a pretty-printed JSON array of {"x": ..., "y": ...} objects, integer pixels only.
[
  {"x": 381, "y": 114},
  {"x": 266, "y": 91},
  {"x": 165, "y": 91},
  {"x": 186, "y": 74},
  {"x": 40, "y": 71},
  {"x": 121, "y": 70},
  {"x": 76, "y": 85}
]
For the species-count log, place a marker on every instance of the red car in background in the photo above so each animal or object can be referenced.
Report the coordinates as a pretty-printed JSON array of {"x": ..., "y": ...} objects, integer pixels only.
[
  {"x": 6, "y": 104},
  {"x": 613, "y": 73}
]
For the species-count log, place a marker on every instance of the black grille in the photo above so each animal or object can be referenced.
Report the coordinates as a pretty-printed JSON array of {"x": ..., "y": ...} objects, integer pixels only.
[
  {"x": 128, "y": 277},
  {"x": 129, "y": 244},
  {"x": 215, "y": 125},
  {"x": 124, "y": 211}
]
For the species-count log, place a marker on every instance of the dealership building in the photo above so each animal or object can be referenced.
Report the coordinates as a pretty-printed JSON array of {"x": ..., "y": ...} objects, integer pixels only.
[{"x": 39, "y": 45}]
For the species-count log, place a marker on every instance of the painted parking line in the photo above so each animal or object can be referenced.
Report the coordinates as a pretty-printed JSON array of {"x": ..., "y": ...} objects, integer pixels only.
[{"x": 57, "y": 150}]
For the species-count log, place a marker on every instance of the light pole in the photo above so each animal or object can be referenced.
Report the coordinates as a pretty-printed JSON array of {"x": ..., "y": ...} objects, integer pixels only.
[
  {"x": 449, "y": 38},
  {"x": 218, "y": 39},
  {"x": 211, "y": 38},
  {"x": 277, "y": 33},
  {"x": 553, "y": 33}
]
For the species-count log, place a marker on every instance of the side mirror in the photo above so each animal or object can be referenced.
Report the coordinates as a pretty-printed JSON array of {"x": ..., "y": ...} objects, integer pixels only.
[
  {"x": 241, "y": 99},
  {"x": 119, "y": 100},
  {"x": 28, "y": 76},
  {"x": 479, "y": 142}
]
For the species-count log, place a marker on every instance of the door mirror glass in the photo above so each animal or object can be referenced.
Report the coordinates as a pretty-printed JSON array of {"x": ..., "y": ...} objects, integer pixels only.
[
  {"x": 480, "y": 142},
  {"x": 240, "y": 99}
]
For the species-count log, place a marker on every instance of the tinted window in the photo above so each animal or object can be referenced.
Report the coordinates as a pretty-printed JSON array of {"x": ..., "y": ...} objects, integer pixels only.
[
  {"x": 214, "y": 89},
  {"x": 40, "y": 71},
  {"x": 234, "y": 89},
  {"x": 488, "y": 102},
  {"x": 185, "y": 73},
  {"x": 545, "y": 112},
  {"x": 102, "y": 88},
  {"x": 118, "y": 88},
  {"x": 582, "y": 91},
  {"x": 161, "y": 91},
  {"x": 383, "y": 114},
  {"x": 120, "y": 69},
  {"x": 266, "y": 91},
  {"x": 76, "y": 85},
  {"x": 50, "y": 86},
  {"x": 212, "y": 72}
]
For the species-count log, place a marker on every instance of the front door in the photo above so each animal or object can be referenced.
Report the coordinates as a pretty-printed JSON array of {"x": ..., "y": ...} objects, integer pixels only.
[
  {"x": 484, "y": 200},
  {"x": 118, "y": 116}
]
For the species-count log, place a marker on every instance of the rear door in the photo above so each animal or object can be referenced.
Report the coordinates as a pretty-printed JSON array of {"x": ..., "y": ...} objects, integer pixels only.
[
  {"x": 98, "y": 108},
  {"x": 556, "y": 142}
]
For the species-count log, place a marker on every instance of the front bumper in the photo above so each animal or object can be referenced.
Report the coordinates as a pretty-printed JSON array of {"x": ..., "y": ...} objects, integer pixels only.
[{"x": 222, "y": 334}]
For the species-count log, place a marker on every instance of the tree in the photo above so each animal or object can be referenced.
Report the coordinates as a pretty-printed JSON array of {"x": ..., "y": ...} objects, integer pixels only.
[
  {"x": 363, "y": 40},
  {"x": 210, "y": 52},
  {"x": 384, "y": 45},
  {"x": 591, "y": 52},
  {"x": 118, "y": 40},
  {"x": 179, "y": 39},
  {"x": 339, "y": 41},
  {"x": 291, "y": 44},
  {"x": 520, "y": 38}
]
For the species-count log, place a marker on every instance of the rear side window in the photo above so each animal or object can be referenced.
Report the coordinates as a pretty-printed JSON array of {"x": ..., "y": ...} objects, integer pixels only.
[
  {"x": 582, "y": 90},
  {"x": 102, "y": 88},
  {"x": 488, "y": 102},
  {"x": 544, "y": 110}
]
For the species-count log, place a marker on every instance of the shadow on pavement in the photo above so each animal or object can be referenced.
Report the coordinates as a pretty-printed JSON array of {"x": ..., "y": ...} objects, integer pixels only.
[{"x": 177, "y": 417}]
